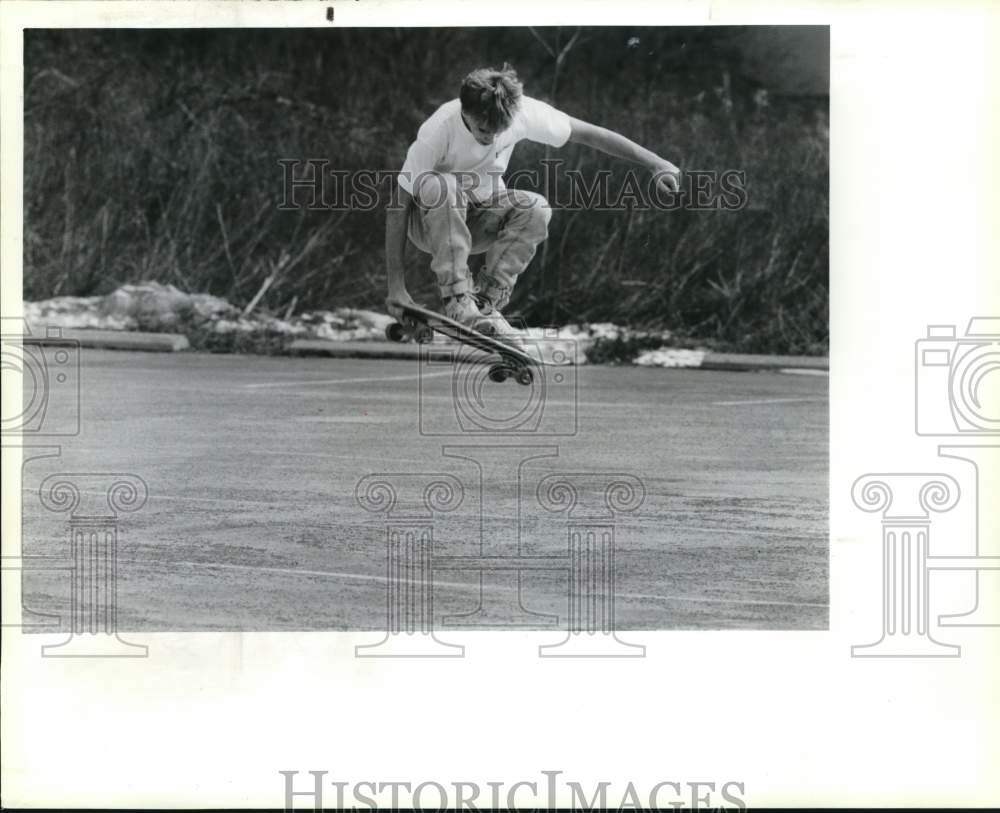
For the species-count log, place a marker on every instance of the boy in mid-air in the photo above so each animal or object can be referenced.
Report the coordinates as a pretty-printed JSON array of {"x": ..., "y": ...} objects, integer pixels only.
[{"x": 453, "y": 201}]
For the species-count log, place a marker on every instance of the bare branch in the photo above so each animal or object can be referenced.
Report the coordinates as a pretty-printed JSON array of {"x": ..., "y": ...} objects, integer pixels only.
[
  {"x": 567, "y": 47},
  {"x": 545, "y": 45}
]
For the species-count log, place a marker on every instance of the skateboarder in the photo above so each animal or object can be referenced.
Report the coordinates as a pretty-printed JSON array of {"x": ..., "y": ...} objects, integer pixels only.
[{"x": 453, "y": 201}]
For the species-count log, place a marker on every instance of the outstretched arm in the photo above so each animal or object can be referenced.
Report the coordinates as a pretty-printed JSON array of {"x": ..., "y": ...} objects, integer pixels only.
[{"x": 612, "y": 143}]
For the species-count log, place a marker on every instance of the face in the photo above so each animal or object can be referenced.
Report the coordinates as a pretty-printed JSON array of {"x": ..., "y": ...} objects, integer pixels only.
[{"x": 480, "y": 130}]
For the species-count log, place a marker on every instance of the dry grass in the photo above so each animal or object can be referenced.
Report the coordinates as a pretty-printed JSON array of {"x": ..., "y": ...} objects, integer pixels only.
[{"x": 154, "y": 156}]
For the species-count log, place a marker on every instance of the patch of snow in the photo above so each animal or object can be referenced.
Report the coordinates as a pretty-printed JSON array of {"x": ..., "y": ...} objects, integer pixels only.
[
  {"x": 155, "y": 307},
  {"x": 604, "y": 330},
  {"x": 75, "y": 312},
  {"x": 670, "y": 357},
  {"x": 152, "y": 306},
  {"x": 565, "y": 345}
]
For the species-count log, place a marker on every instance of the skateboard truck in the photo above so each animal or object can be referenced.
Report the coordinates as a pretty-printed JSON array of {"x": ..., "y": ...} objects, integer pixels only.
[{"x": 409, "y": 329}]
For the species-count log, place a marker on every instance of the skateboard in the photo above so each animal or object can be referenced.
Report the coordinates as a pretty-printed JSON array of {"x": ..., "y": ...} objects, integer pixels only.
[{"x": 419, "y": 325}]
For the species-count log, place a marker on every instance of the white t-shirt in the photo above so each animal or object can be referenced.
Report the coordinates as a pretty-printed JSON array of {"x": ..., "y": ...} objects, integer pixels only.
[{"x": 444, "y": 144}]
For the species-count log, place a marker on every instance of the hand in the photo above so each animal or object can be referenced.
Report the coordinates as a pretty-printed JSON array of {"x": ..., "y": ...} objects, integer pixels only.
[
  {"x": 668, "y": 176},
  {"x": 402, "y": 296}
]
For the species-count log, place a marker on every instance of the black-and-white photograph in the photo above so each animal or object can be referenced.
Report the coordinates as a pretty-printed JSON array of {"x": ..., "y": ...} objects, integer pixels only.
[
  {"x": 403, "y": 400},
  {"x": 412, "y": 330}
]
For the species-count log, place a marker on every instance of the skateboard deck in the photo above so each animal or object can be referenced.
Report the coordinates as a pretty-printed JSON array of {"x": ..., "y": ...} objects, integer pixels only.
[{"x": 420, "y": 324}]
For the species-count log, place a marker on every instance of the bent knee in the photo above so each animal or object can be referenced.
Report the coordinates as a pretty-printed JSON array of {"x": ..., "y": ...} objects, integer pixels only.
[
  {"x": 542, "y": 212},
  {"x": 533, "y": 211}
]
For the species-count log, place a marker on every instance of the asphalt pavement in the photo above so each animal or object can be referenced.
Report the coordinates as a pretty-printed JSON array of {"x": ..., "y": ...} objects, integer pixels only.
[{"x": 253, "y": 466}]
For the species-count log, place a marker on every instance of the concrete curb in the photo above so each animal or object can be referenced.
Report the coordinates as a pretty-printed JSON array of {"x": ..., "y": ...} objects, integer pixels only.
[
  {"x": 372, "y": 350},
  {"x": 390, "y": 350},
  {"x": 111, "y": 340},
  {"x": 172, "y": 342},
  {"x": 739, "y": 361}
]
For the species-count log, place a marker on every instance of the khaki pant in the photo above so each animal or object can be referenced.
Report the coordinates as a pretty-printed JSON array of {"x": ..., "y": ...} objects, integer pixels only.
[{"x": 449, "y": 226}]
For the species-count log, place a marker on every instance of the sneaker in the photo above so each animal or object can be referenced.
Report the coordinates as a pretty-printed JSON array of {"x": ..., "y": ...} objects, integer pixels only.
[
  {"x": 463, "y": 309},
  {"x": 493, "y": 323}
]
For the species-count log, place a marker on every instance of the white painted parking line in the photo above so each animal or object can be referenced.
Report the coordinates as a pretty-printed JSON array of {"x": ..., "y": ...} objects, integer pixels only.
[
  {"x": 168, "y": 498},
  {"x": 703, "y": 600},
  {"x": 370, "y": 461},
  {"x": 327, "y": 381},
  {"x": 803, "y": 536},
  {"x": 771, "y": 401},
  {"x": 476, "y": 585}
]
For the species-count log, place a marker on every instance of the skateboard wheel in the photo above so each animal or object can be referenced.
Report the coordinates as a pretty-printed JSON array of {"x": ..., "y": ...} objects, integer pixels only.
[
  {"x": 498, "y": 373},
  {"x": 423, "y": 335},
  {"x": 395, "y": 332},
  {"x": 525, "y": 376}
]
